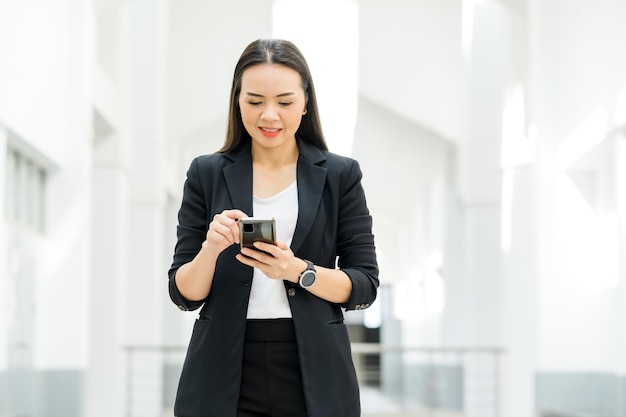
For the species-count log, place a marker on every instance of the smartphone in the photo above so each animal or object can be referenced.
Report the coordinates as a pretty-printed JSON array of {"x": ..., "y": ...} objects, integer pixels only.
[{"x": 254, "y": 229}]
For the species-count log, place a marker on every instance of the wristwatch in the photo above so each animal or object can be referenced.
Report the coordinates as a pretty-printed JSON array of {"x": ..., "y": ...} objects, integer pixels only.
[{"x": 308, "y": 276}]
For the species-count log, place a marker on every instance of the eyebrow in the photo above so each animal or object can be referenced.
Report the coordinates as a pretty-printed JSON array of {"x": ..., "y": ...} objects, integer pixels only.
[{"x": 279, "y": 95}]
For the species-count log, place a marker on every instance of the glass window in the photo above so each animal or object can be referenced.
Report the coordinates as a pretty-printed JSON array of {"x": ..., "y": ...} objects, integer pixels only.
[{"x": 25, "y": 191}]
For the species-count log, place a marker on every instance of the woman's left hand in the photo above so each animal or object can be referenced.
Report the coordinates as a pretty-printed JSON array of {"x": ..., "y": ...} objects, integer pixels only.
[{"x": 278, "y": 262}]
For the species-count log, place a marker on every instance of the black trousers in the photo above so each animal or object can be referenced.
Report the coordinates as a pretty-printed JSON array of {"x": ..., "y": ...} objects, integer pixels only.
[{"x": 271, "y": 382}]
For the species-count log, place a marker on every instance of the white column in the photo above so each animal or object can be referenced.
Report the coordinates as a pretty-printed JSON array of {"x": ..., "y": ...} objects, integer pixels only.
[
  {"x": 519, "y": 310},
  {"x": 147, "y": 282},
  {"x": 105, "y": 388},
  {"x": 480, "y": 175},
  {"x": 620, "y": 187},
  {"x": 5, "y": 296},
  {"x": 485, "y": 47},
  {"x": 147, "y": 194}
]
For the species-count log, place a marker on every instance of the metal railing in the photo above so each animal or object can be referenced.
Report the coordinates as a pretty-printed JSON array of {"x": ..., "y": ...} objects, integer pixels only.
[
  {"x": 395, "y": 380},
  {"x": 429, "y": 381}
]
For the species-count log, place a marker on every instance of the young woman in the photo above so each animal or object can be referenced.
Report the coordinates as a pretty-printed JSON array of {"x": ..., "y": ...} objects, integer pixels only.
[{"x": 270, "y": 339}]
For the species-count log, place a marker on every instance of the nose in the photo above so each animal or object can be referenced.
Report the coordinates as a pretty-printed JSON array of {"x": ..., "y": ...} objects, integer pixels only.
[{"x": 269, "y": 113}]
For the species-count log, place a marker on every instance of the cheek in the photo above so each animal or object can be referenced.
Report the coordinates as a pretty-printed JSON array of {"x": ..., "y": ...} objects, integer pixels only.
[
  {"x": 296, "y": 120},
  {"x": 246, "y": 116}
]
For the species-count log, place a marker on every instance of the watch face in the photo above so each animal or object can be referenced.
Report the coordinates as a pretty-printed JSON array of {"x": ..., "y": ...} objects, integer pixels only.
[{"x": 307, "y": 279}]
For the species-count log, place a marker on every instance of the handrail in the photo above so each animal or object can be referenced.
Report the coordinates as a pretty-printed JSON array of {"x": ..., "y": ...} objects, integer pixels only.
[
  {"x": 466, "y": 378},
  {"x": 379, "y": 348}
]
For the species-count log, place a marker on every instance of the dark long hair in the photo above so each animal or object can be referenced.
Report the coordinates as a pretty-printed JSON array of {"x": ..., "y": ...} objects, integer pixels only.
[{"x": 274, "y": 51}]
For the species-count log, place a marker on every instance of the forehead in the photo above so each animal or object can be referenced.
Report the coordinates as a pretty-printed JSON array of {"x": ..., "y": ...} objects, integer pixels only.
[{"x": 270, "y": 78}]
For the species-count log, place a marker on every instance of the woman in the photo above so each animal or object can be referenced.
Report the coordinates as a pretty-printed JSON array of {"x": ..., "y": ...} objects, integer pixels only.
[{"x": 265, "y": 343}]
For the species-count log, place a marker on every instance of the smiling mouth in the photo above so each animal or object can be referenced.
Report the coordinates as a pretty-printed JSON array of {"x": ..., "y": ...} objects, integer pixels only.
[{"x": 270, "y": 133}]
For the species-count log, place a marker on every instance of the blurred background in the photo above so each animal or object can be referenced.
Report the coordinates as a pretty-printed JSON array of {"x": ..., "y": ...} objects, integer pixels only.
[{"x": 491, "y": 134}]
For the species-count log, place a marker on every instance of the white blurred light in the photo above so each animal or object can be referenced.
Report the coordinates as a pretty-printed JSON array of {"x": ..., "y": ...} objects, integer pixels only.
[
  {"x": 373, "y": 316},
  {"x": 585, "y": 137},
  {"x": 517, "y": 149},
  {"x": 620, "y": 109},
  {"x": 332, "y": 55},
  {"x": 467, "y": 26},
  {"x": 508, "y": 184},
  {"x": 587, "y": 245}
]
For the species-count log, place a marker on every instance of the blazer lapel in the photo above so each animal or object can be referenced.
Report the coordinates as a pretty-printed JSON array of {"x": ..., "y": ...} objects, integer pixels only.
[
  {"x": 311, "y": 180},
  {"x": 238, "y": 177}
]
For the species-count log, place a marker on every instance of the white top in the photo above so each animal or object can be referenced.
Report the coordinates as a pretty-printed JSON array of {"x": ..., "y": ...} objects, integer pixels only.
[{"x": 268, "y": 298}]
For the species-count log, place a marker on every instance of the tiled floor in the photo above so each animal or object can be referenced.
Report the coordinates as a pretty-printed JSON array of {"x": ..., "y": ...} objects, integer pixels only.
[{"x": 375, "y": 404}]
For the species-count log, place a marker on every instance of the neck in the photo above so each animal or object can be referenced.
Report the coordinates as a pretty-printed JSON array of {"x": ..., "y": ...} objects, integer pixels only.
[{"x": 275, "y": 157}]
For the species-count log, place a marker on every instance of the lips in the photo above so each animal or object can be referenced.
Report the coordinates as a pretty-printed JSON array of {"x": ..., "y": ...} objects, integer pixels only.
[{"x": 270, "y": 133}]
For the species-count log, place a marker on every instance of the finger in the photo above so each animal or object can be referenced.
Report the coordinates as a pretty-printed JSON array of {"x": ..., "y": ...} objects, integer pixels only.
[
  {"x": 252, "y": 258},
  {"x": 246, "y": 260},
  {"x": 267, "y": 247},
  {"x": 224, "y": 226},
  {"x": 234, "y": 214},
  {"x": 233, "y": 217}
]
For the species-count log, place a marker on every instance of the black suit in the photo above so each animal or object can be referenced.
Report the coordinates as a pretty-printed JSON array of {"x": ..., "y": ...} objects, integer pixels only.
[{"x": 333, "y": 223}]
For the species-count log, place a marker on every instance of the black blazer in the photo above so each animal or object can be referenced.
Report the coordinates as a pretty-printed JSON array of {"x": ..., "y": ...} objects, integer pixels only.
[{"x": 334, "y": 228}]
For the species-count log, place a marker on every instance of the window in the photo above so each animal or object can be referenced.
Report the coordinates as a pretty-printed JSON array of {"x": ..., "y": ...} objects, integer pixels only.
[{"x": 25, "y": 191}]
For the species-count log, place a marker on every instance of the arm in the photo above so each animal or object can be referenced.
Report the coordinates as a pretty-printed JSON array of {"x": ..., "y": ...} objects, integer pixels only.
[
  {"x": 331, "y": 285},
  {"x": 354, "y": 285},
  {"x": 194, "y": 278},
  {"x": 356, "y": 250},
  {"x": 198, "y": 247}
]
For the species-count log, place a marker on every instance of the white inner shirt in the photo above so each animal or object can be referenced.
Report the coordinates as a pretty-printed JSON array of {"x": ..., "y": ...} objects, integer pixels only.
[{"x": 268, "y": 298}]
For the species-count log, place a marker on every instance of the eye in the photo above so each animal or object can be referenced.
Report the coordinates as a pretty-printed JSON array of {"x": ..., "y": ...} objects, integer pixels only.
[
  {"x": 285, "y": 103},
  {"x": 254, "y": 103}
]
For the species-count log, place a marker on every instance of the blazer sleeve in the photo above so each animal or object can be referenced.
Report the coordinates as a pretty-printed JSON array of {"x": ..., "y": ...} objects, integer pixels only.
[
  {"x": 191, "y": 232},
  {"x": 355, "y": 241}
]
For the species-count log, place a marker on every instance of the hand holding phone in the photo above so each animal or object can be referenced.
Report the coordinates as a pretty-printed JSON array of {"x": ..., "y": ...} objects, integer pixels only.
[{"x": 256, "y": 229}]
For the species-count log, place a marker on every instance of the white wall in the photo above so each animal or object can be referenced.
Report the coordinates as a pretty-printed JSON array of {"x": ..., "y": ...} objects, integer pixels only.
[
  {"x": 410, "y": 61},
  {"x": 46, "y": 109},
  {"x": 44, "y": 105},
  {"x": 206, "y": 39},
  {"x": 578, "y": 79}
]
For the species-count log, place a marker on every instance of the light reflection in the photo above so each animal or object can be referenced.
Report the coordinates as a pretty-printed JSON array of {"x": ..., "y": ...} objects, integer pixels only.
[
  {"x": 587, "y": 239},
  {"x": 588, "y": 135},
  {"x": 423, "y": 295},
  {"x": 587, "y": 244},
  {"x": 332, "y": 55},
  {"x": 620, "y": 109},
  {"x": 508, "y": 184},
  {"x": 517, "y": 148},
  {"x": 467, "y": 25}
]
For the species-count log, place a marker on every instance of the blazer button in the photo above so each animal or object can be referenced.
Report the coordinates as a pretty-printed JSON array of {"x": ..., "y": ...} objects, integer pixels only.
[{"x": 291, "y": 292}]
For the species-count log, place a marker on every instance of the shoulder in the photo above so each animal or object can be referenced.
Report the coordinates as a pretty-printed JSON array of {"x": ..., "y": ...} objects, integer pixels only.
[
  {"x": 338, "y": 161},
  {"x": 204, "y": 164},
  {"x": 343, "y": 166},
  {"x": 333, "y": 162},
  {"x": 209, "y": 161},
  {"x": 203, "y": 168}
]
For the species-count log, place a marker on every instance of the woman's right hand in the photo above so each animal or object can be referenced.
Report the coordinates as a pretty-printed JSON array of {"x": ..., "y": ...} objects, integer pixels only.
[{"x": 223, "y": 230}]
